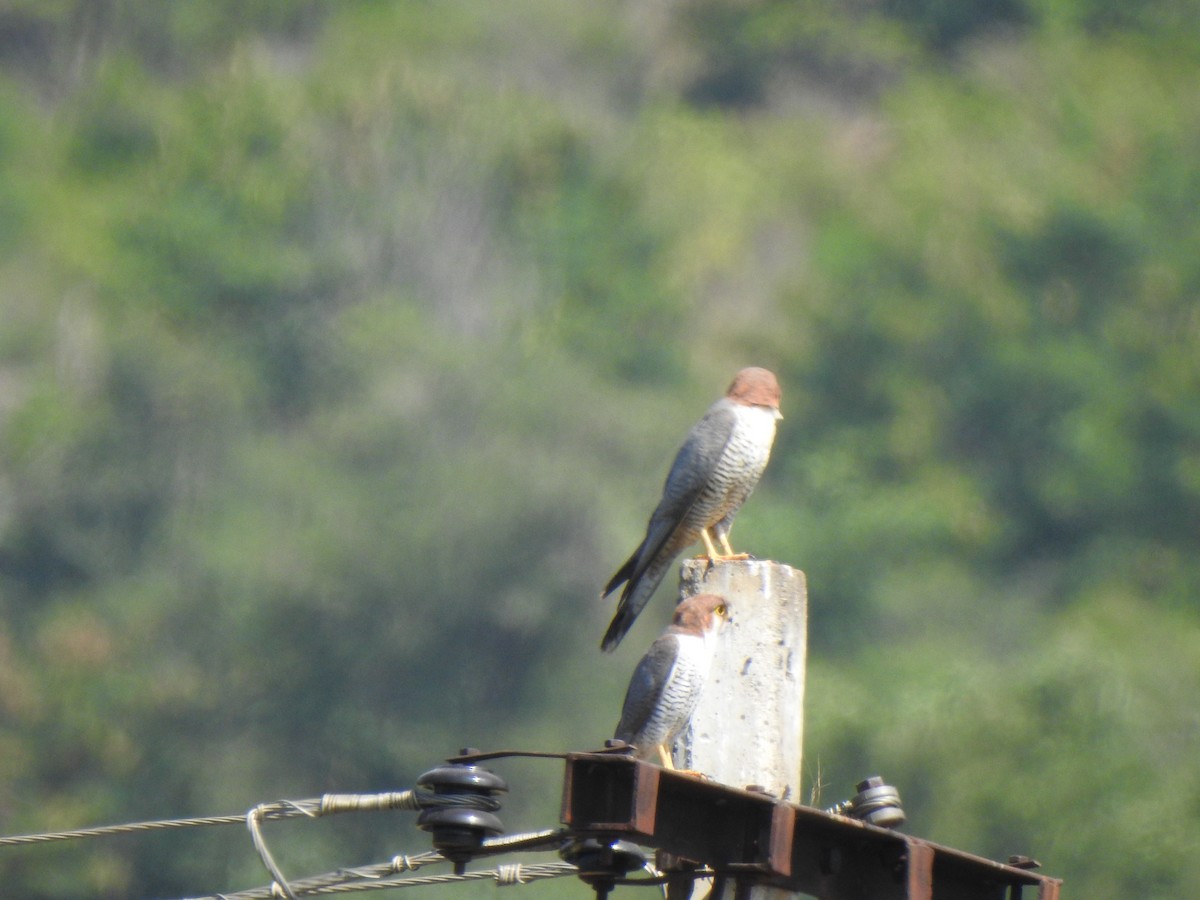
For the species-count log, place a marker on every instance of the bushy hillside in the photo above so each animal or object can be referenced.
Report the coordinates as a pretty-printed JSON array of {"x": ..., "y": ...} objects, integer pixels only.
[{"x": 343, "y": 349}]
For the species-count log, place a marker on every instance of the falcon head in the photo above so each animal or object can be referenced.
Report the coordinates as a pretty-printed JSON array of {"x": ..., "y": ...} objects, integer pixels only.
[
  {"x": 702, "y": 615},
  {"x": 755, "y": 386}
]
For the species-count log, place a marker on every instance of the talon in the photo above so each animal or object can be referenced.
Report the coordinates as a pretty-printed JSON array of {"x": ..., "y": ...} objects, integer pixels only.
[
  {"x": 723, "y": 557},
  {"x": 711, "y": 551}
]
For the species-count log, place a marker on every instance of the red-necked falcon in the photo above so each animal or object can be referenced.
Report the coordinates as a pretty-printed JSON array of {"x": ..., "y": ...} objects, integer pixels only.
[
  {"x": 714, "y": 472},
  {"x": 667, "y": 682}
]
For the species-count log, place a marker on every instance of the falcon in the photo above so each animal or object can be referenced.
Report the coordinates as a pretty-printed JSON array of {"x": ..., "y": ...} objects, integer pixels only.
[
  {"x": 667, "y": 682},
  {"x": 714, "y": 472}
]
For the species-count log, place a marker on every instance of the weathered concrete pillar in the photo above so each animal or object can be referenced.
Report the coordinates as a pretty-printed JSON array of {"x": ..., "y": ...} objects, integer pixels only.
[{"x": 748, "y": 728}]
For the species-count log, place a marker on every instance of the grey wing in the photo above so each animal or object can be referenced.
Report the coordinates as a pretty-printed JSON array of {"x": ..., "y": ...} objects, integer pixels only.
[
  {"x": 693, "y": 468},
  {"x": 645, "y": 690}
]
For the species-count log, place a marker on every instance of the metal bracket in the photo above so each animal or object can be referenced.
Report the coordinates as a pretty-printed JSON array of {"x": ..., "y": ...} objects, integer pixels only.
[{"x": 752, "y": 836}]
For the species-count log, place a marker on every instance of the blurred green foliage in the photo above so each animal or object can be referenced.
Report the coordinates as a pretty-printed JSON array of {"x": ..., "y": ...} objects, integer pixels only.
[{"x": 341, "y": 346}]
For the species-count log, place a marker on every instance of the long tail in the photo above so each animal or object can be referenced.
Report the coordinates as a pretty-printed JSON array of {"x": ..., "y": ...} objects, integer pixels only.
[
  {"x": 622, "y": 575},
  {"x": 635, "y": 596}
]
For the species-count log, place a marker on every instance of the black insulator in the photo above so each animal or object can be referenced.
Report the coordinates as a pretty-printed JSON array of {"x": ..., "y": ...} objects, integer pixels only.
[
  {"x": 463, "y": 778},
  {"x": 459, "y": 832},
  {"x": 457, "y": 801},
  {"x": 875, "y": 803},
  {"x": 600, "y": 863}
]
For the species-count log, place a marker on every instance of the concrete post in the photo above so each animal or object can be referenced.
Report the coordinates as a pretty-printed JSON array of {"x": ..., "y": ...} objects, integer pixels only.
[{"x": 748, "y": 728}]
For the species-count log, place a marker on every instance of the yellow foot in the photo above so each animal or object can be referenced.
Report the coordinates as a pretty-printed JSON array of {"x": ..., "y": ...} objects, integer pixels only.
[
  {"x": 694, "y": 773},
  {"x": 710, "y": 548}
]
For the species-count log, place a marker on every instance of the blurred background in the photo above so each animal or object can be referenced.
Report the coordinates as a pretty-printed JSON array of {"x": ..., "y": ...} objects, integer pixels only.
[{"x": 344, "y": 348}]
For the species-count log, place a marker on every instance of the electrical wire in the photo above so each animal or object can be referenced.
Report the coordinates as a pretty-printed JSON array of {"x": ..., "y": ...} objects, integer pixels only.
[
  {"x": 383, "y": 874},
  {"x": 284, "y": 809},
  {"x": 379, "y": 876},
  {"x": 130, "y": 828},
  {"x": 350, "y": 881}
]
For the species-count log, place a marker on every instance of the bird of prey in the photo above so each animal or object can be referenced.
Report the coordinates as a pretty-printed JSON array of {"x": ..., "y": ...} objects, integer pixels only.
[
  {"x": 666, "y": 683},
  {"x": 714, "y": 472}
]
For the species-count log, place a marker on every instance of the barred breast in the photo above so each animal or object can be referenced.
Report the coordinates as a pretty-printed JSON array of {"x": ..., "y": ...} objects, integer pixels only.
[
  {"x": 680, "y": 692},
  {"x": 739, "y": 468}
]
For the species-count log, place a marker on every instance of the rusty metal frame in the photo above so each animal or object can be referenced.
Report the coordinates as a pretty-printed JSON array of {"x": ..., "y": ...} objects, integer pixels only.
[{"x": 758, "y": 839}]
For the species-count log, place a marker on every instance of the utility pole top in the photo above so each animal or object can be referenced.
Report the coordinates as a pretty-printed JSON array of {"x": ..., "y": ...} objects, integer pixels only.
[
  {"x": 771, "y": 848},
  {"x": 748, "y": 728},
  {"x": 748, "y": 823}
]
